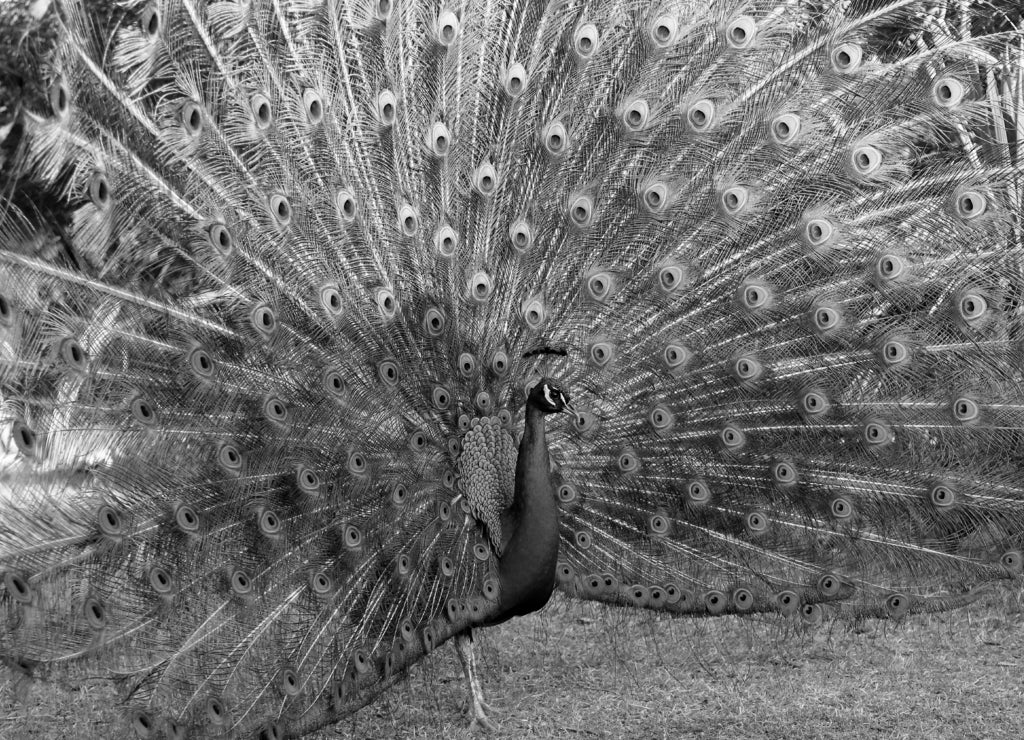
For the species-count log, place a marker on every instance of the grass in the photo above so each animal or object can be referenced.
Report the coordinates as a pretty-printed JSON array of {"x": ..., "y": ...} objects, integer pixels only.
[{"x": 580, "y": 670}]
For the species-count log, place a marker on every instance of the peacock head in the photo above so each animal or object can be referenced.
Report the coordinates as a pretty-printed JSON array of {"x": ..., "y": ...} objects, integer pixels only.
[{"x": 549, "y": 397}]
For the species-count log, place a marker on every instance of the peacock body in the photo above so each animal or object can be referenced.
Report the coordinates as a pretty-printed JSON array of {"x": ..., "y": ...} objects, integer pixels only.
[{"x": 290, "y": 291}]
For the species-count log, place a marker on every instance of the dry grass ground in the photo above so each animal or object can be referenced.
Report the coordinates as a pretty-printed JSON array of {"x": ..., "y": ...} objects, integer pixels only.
[{"x": 583, "y": 671}]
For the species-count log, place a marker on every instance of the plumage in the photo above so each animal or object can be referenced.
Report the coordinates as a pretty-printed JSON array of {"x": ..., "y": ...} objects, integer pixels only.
[{"x": 290, "y": 291}]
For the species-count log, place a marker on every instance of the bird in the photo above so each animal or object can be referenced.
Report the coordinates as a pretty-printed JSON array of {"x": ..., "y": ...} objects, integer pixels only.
[{"x": 334, "y": 330}]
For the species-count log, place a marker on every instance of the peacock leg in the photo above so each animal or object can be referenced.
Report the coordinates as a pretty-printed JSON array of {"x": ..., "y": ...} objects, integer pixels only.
[{"x": 478, "y": 708}]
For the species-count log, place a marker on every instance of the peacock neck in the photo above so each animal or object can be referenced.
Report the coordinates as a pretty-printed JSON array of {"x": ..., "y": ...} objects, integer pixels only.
[{"x": 526, "y": 569}]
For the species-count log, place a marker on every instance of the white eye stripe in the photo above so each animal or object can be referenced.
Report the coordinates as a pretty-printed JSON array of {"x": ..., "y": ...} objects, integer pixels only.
[{"x": 547, "y": 395}]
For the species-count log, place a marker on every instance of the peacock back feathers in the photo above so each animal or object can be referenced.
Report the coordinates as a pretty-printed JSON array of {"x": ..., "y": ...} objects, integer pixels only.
[{"x": 276, "y": 278}]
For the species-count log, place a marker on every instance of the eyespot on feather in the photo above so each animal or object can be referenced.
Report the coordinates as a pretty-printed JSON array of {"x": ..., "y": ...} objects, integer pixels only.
[
  {"x": 521, "y": 236},
  {"x": 965, "y": 410},
  {"x": 18, "y": 587},
  {"x": 467, "y": 365},
  {"x": 635, "y": 114},
  {"x": 387, "y": 371},
  {"x": 280, "y": 209},
  {"x": 447, "y": 29},
  {"x": 747, "y": 369},
  {"x": 846, "y": 58},
  {"x": 160, "y": 580},
  {"x": 262, "y": 113},
  {"x": 186, "y": 519},
  {"x": 841, "y": 507},
  {"x": 947, "y": 92},
  {"x": 439, "y": 139},
  {"x": 825, "y": 318},
  {"x": 658, "y": 524},
  {"x": 818, "y": 233},
  {"x": 263, "y": 320},
  {"x": 99, "y": 190},
  {"x": 555, "y": 138},
  {"x": 742, "y": 599},
  {"x": 865, "y": 160},
  {"x": 755, "y": 523},
  {"x": 671, "y": 278},
  {"x": 715, "y": 602},
  {"x": 701, "y": 116},
  {"x": 6, "y": 312},
  {"x": 441, "y": 397},
  {"x": 192, "y": 119},
  {"x": 627, "y": 461},
  {"x": 481, "y": 287},
  {"x": 357, "y": 464},
  {"x": 485, "y": 179},
  {"x": 333, "y": 384},
  {"x": 696, "y": 493},
  {"x": 942, "y": 496},
  {"x": 60, "y": 98},
  {"x": 220, "y": 238},
  {"x": 754, "y": 295},
  {"x": 812, "y": 614},
  {"x": 734, "y": 200},
  {"x": 876, "y": 433},
  {"x": 515, "y": 80},
  {"x": 230, "y": 458},
  {"x": 581, "y": 211},
  {"x": 408, "y": 220},
  {"x": 446, "y": 241},
  {"x": 585, "y": 41},
  {"x": 675, "y": 357},
  {"x": 275, "y": 410},
  {"x": 894, "y": 352},
  {"x": 308, "y": 480},
  {"x": 483, "y": 402},
  {"x": 534, "y": 313},
  {"x": 72, "y": 354},
  {"x": 1013, "y": 562},
  {"x": 500, "y": 362},
  {"x": 663, "y": 31},
  {"x": 661, "y": 418},
  {"x": 741, "y": 33},
  {"x": 787, "y": 603},
  {"x": 387, "y": 108},
  {"x": 814, "y": 403},
  {"x": 972, "y": 307},
  {"x": 433, "y": 322},
  {"x": 313, "y": 106},
  {"x": 784, "y": 473},
  {"x": 346, "y": 204},
  {"x": 386, "y": 302},
  {"x": 785, "y": 129},
  {"x": 897, "y": 605},
  {"x": 732, "y": 438},
  {"x": 600, "y": 286},
  {"x": 655, "y": 197},
  {"x": 269, "y": 523},
  {"x": 148, "y": 22},
  {"x": 95, "y": 613},
  {"x": 969, "y": 205},
  {"x": 331, "y": 301},
  {"x": 601, "y": 353},
  {"x": 241, "y": 582}
]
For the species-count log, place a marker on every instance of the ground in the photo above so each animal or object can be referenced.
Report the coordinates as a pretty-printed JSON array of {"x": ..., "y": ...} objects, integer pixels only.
[{"x": 581, "y": 670}]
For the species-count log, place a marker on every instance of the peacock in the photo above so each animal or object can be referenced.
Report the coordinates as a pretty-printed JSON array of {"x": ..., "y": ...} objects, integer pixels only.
[{"x": 333, "y": 330}]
